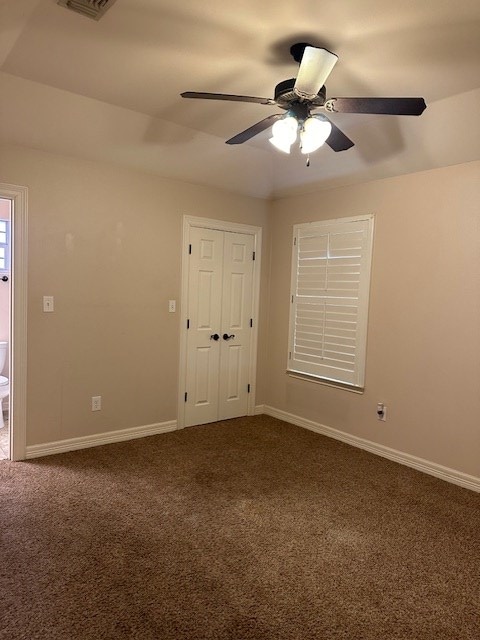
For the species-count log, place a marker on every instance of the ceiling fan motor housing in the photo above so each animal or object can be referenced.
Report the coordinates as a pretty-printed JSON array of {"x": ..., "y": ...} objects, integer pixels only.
[{"x": 286, "y": 97}]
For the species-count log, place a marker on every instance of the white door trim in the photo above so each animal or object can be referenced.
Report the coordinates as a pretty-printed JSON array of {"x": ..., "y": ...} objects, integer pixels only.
[
  {"x": 220, "y": 225},
  {"x": 18, "y": 320}
]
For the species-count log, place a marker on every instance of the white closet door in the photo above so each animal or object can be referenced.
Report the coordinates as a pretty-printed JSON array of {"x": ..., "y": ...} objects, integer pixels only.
[
  {"x": 236, "y": 316},
  {"x": 220, "y": 304},
  {"x": 204, "y": 313}
]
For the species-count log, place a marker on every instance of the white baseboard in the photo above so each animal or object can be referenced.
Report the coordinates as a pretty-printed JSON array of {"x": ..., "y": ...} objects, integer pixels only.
[
  {"x": 433, "y": 469},
  {"x": 84, "y": 442},
  {"x": 444, "y": 473}
]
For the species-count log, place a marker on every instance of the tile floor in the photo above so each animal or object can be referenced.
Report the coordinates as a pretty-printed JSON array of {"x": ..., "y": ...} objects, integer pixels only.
[{"x": 4, "y": 438}]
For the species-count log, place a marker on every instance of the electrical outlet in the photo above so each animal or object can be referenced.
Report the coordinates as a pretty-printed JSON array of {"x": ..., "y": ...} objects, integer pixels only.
[
  {"x": 172, "y": 306},
  {"x": 96, "y": 403}
]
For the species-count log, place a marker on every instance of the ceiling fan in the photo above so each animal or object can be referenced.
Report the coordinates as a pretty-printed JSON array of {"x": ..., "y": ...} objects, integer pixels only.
[{"x": 302, "y": 96}]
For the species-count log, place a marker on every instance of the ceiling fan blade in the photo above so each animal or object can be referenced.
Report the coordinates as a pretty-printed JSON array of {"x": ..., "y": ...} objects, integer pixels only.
[
  {"x": 315, "y": 68},
  {"x": 389, "y": 106},
  {"x": 337, "y": 140},
  {"x": 226, "y": 96},
  {"x": 255, "y": 129}
]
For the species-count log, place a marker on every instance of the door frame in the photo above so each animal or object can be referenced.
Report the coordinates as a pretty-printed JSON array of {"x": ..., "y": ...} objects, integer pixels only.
[
  {"x": 18, "y": 319},
  {"x": 233, "y": 227}
]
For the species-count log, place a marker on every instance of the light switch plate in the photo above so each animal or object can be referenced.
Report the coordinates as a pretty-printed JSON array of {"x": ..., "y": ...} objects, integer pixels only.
[{"x": 47, "y": 304}]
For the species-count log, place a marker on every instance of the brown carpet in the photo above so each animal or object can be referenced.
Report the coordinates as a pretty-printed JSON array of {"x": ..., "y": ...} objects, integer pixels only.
[{"x": 246, "y": 529}]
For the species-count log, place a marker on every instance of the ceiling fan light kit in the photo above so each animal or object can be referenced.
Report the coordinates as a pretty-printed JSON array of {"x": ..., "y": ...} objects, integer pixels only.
[
  {"x": 314, "y": 131},
  {"x": 301, "y": 96}
]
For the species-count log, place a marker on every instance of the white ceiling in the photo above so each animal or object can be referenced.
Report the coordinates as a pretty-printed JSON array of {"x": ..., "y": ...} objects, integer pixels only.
[{"x": 109, "y": 90}]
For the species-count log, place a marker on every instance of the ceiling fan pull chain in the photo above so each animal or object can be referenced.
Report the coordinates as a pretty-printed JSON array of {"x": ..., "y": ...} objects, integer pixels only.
[{"x": 308, "y": 160}]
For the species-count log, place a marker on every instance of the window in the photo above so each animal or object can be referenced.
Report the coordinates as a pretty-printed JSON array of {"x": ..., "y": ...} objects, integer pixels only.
[
  {"x": 329, "y": 299},
  {"x": 4, "y": 245}
]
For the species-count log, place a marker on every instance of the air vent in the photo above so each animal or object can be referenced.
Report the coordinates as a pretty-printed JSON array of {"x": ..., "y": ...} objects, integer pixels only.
[{"x": 90, "y": 8}]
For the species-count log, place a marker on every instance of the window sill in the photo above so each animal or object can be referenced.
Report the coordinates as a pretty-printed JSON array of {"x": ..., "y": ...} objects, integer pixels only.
[{"x": 325, "y": 382}]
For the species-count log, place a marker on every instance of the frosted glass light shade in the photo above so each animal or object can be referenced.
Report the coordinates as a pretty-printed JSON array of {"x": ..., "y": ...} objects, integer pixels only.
[
  {"x": 314, "y": 69},
  {"x": 284, "y": 133},
  {"x": 314, "y": 133},
  {"x": 280, "y": 144}
]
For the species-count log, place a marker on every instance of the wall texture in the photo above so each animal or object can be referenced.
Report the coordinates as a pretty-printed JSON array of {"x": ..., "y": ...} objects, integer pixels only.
[
  {"x": 423, "y": 353},
  {"x": 106, "y": 243}
]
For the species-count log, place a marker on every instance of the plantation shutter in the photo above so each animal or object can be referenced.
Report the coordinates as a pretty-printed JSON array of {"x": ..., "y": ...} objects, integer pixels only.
[{"x": 329, "y": 303}]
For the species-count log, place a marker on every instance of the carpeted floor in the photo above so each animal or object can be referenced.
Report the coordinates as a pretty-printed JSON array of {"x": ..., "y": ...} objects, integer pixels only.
[{"x": 250, "y": 529}]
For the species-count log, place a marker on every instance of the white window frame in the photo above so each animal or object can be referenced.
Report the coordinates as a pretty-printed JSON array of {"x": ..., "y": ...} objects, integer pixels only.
[{"x": 353, "y": 376}]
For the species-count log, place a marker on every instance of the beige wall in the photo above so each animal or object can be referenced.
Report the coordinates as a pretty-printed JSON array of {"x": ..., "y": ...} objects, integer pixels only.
[
  {"x": 106, "y": 243},
  {"x": 423, "y": 354}
]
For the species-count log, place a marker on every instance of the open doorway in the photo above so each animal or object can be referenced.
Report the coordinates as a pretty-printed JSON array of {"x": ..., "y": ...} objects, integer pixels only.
[
  {"x": 5, "y": 315},
  {"x": 13, "y": 320}
]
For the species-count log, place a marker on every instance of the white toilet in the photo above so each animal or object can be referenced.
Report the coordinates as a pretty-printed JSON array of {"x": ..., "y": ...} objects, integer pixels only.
[{"x": 4, "y": 382}]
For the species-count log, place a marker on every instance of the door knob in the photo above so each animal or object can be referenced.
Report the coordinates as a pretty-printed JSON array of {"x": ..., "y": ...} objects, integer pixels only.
[
  {"x": 214, "y": 336},
  {"x": 227, "y": 337}
]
